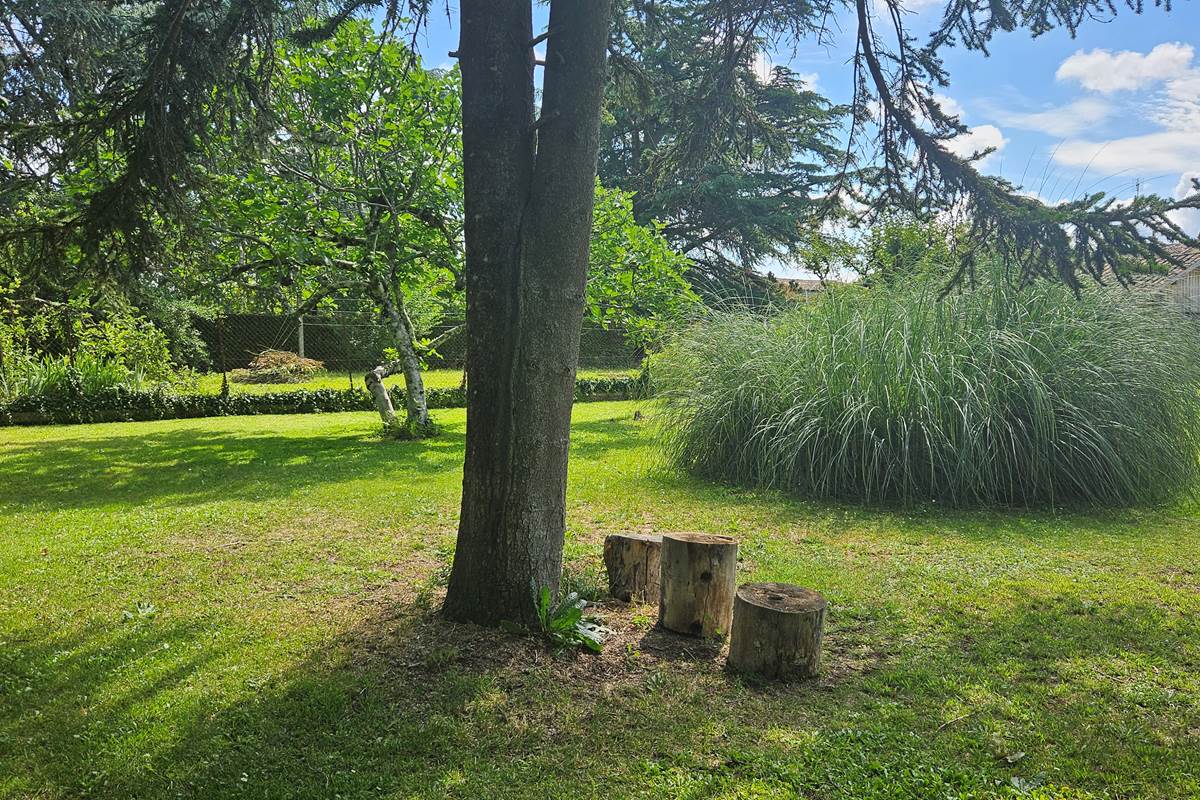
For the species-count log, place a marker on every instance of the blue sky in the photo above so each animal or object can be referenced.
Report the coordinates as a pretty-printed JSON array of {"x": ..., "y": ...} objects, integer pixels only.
[{"x": 1116, "y": 109}]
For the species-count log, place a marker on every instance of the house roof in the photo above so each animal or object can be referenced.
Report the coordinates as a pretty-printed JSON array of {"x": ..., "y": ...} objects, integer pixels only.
[
  {"x": 801, "y": 284},
  {"x": 804, "y": 287},
  {"x": 1187, "y": 260}
]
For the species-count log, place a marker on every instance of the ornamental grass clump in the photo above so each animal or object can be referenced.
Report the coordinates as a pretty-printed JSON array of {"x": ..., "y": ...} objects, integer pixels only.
[{"x": 989, "y": 396}]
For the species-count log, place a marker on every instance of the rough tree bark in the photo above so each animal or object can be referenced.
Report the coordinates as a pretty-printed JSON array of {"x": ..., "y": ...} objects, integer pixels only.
[
  {"x": 699, "y": 574},
  {"x": 529, "y": 190},
  {"x": 777, "y": 631},
  {"x": 417, "y": 422},
  {"x": 633, "y": 566}
]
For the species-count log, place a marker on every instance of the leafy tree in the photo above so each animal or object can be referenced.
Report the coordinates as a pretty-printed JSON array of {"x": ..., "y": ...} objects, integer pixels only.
[
  {"x": 358, "y": 192},
  {"x": 177, "y": 72},
  {"x": 733, "y": 160},
  {"x": 636, "y": 282},
  {"x": 898, "y": 249},
  {"x": 103, "y": 113}
]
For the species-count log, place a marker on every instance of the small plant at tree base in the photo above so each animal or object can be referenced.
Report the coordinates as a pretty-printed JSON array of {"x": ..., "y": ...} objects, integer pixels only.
[
  {"x": 588, "y": 582},
  {"x": 562, "y": 622},
  {"x": 411, "y": 430}
]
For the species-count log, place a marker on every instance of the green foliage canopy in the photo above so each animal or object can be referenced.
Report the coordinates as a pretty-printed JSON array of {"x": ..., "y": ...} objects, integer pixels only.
[
  {"x": 362, "y": 187},
  {"x": 636, "y": 281},
  {"x": 109, "y": 111},
  {"x": 358, "y": 192},
  {"x": 733, "y": 161}
]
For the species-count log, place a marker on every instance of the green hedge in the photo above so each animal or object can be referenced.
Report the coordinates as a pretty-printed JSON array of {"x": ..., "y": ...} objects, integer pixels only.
[{"x": 118, "y": 404}]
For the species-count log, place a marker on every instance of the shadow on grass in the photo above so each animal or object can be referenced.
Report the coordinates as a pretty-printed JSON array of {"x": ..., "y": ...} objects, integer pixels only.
[
  {"x": 201, "y": 464},
  {"x": 407, "y": 704},
  {"x": 990, "y": 525}
]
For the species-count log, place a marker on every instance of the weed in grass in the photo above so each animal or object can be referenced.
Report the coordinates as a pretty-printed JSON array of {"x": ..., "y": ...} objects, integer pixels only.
[{"x": 586, "y": 579}]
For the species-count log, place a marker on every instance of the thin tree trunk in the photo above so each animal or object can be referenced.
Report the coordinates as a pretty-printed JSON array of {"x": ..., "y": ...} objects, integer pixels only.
[
  {"x": 528, "y": 222},
  {"x": 383, "y": 401},
  {"x": 417, "y": 421}
]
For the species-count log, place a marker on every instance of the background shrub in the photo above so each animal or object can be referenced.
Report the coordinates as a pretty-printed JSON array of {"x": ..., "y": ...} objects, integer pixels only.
[
  {"x": 120, "y": 403},
  {"x": 990, "y": 396},
  {"x": 49, "y": 352}
]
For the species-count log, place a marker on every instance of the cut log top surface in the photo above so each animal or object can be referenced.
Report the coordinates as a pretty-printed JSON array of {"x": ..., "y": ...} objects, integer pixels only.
[
  {"x": 700, "y": 538},
  {"x": 781, "y": 597},
  {"x": 641, "y": 537}
]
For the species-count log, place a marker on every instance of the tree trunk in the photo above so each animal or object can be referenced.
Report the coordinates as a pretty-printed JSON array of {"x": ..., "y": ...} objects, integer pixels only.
[
  {"x": 776, "y": 631},
  {"x": 632, "y": 562},
  {"x": 529, "y": 192},
  {"x": 417, "y": 422},
  {"x": 699, "y": 575},
  {"x": 383, "y": 401}
]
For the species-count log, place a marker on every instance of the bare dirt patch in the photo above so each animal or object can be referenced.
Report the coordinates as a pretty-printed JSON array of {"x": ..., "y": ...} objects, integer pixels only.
[{"x": 403, "y": 636}]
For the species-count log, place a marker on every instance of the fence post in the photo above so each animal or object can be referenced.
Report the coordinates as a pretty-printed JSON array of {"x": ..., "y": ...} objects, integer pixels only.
[
  {"x": 221, "y": 343},
  {"x": 69, "y": 333},
  {"x": 300, "y": 336}
]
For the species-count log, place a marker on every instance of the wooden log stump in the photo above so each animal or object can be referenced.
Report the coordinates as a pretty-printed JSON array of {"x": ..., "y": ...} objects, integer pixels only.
[
  {"x": 776, "y": 631},
  {"x": 632, "y": 561},
  {"x": 699, "y": 575}
]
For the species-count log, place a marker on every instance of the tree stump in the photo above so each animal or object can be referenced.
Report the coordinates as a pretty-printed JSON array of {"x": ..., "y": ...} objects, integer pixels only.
[
  {"x": 632, "y": 561},
  {"x": 698, "y": 581},
  {"x": 776, "y": 631}
]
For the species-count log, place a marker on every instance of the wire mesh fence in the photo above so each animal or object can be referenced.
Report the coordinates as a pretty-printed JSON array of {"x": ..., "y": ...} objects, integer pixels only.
[
  {"x": 353, "y": 342},
  {"x": 219, "y": 348},
  {"x": 343, "y": 343}
]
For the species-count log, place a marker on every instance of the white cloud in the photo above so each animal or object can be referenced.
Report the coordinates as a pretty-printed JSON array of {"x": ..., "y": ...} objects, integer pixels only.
[
  {"x": 1164, "y": 151},
  {"x": 949, "y": 105},
  {"x": 1184, "y": 187},
  {"x": 810, "y": 79},
  {"x": 763, "y": 66},
  {"x": 1105, "y": 71},
  {"x": 1188, "y": 219},
  {"x": 1174, "y": 108},
  {"x": 977, "y": 140},
  {"x": 1181, "y": 108},
  {"x": 1068, "y": 120}
]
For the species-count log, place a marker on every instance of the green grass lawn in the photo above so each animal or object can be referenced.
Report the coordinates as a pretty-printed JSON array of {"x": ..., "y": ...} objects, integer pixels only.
[
  {"x": 245, "y": 608},
  {"x": 434, "y": 379}
]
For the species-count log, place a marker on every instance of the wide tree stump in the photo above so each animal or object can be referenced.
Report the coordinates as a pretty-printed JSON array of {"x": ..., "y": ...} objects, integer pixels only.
[
  {"x": 699, "y": 575},
  {"x": 632, "y": 561},
  {"x": 776, "y": 631}
]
